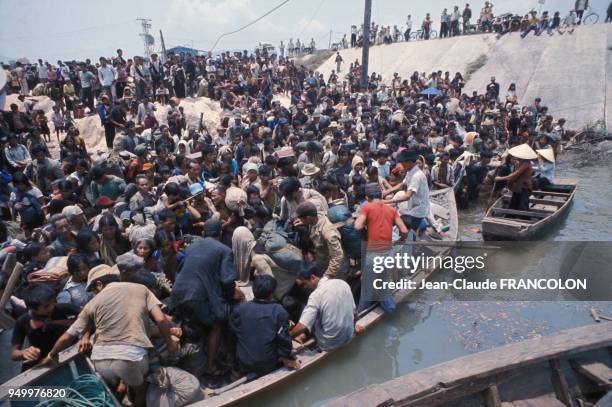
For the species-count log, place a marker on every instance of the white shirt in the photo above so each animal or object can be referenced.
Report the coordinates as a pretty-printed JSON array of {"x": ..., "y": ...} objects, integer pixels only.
[
  {"x": 329, "y": 313},
  {"x": 144, "y": 72},
  {"x": 118, "y": 352},
  {"x": 409, "y": 24},
  {"x": 384, "y": 170},
  {"x": 106, "y": 75},
  {"x": 42, "y": 71},
  {"x": 416, "y": 182}
]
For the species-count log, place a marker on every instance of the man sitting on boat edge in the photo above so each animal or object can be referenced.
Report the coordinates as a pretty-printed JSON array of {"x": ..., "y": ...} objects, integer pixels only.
[{"x": 330, "y": 312}]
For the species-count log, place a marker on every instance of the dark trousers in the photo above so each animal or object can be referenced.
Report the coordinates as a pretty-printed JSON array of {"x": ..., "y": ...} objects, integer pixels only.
[
  {"x": 454, "y": 28},
  {"x": 579, "y": 14},
  {"x": 353, "y": 40},
  {"x": 407, "y": 35},
  {"x": 119, "y": 86},
  {"x": 443, "y": 30},
  {"x": 87, "y": 98},
  {"x": 520, "y": 201},
  {"x": 109, "y": 134}
]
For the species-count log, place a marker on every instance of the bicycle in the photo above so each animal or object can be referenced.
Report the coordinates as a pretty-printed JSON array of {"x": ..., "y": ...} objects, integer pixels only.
[
  {"x": 418, "y": 35},
  {"x": 590, "y": 17}
]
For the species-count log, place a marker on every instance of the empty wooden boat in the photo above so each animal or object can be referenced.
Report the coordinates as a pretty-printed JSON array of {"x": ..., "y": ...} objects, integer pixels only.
[
  {"x": 546, "y": 208},
  {"x": 569, "y": 368}
]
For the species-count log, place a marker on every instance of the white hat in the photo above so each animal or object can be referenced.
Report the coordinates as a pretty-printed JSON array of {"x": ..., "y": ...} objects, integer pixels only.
[
  {"x": 547, "y": 153},
  {"x": 523, "y": 152},
  {"x": 310, "y": 169}
]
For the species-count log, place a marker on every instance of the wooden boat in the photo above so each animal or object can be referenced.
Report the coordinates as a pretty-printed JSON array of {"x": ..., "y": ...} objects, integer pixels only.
[
  {"x": 569, "y": 368},
  {"x": 546, "y": 207},
  {"x": 72, "y": 364},
  {"x": 445, "y": 212}
]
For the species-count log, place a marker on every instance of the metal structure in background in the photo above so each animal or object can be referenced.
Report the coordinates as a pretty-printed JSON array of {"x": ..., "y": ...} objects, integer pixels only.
[
  {"x": 367, "y": 16},
  {"x": 163, "y": 46},
  {"x": 147, "y": 38}
]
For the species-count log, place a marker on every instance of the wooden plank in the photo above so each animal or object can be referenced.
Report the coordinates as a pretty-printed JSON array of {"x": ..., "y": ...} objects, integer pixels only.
[
  {"x": 518, "y": 223},
  {"x": 449, "y": 376},
  {"x": 10, "y": 284},
  {"x": 548, "y": 400},
  {"x": 542, "y": 193},
  {"x": 38, "y": 371},
  {"x": 6, "y": 321},
  {"x": 492, "y": 397},
  {"x": 538, "y": 201},
  {"x": 594, "y": 371},
  {"x": 515, "y": 212},
  {"x": 560, "y": 384}
]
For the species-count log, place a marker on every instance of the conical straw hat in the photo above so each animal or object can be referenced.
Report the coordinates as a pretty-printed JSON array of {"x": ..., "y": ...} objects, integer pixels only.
[
  {"x": 547, "y": 153},
  {"x": 524, "y": 152}
]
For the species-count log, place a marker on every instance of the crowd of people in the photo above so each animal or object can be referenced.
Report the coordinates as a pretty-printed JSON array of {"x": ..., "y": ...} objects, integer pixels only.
[
  {"x": 152, "y": 244},
  {"x": 464, "y": 21}
]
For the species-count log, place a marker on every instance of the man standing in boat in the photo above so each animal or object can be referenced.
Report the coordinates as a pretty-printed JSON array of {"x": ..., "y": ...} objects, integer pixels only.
[{"x": 379, "y": 218}]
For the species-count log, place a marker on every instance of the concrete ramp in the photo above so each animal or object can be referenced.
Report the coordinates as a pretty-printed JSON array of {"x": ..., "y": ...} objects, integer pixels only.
[{"x": 571, "y": 73}]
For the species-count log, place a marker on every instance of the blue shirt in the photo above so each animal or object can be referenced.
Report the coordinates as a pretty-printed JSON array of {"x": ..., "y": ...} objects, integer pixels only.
[{"x": 86, "y": 77}]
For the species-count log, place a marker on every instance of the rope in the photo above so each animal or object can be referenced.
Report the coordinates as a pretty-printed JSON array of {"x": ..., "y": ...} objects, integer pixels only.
[
  {"x": 248, "y": 25},
  {"x": 86, "y": 391}
]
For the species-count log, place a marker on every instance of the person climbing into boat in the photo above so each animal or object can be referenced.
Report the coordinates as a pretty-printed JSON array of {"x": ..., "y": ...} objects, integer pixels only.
[
  {"x": 329, "y": 314},
  {"x": 42, "y": 325},
  {"x": 520, "y": 179},
  {"x": 205, "y": 287},
  {"x": 120, "y": 313},
  {"x": 476, "y": 173},
  {"x": 325, "y": 239}
]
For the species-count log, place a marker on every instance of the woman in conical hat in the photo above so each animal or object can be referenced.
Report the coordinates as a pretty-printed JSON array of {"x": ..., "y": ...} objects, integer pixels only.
[
  {"x": 545, "y": 170},
  {"x": 520, "y": 179}
]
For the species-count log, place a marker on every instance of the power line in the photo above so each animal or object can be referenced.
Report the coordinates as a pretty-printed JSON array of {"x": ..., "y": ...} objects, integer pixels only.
[
  {"x": 311, "y": 18},
  {"x": 248, "y": 25}
]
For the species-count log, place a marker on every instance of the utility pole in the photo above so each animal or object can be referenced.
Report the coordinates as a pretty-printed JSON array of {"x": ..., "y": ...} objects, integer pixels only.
[
  {"x": 147, "y": 38},
  {"x": 163, "y": 45},
  {"x": 330, "y": 34},
  {"x": 367, "y": 16}
]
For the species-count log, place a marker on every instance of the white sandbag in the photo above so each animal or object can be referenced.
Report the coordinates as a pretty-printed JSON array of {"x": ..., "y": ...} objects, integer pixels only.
[
  {"x": 235, "y": 199},
  {"x": 172, "y": 387}
]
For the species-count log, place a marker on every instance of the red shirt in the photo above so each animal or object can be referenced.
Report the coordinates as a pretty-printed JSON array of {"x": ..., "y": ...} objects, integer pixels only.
[{"x": 380, "y": 220}]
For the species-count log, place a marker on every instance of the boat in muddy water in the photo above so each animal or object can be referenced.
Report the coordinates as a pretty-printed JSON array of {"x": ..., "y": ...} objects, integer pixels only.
[
  {"x": 569, "y": 368},
  {"x": 546, "y": 208}
]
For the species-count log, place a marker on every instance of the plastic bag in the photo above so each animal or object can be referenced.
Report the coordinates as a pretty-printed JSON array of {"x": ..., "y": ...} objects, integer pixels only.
[{"x": 172, "y": 387}]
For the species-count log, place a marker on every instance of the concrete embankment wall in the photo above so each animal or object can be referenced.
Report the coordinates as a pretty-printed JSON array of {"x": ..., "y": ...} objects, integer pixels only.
[{"x": 571, "y": 73}]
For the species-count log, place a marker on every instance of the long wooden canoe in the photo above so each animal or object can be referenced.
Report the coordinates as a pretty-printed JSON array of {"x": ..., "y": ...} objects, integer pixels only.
[
  {"x": 569, "y": 368},
  {"x": 445, "y": 211},
  {"x": 546, "y": 207},
  {"x": 72, "y": 364}
]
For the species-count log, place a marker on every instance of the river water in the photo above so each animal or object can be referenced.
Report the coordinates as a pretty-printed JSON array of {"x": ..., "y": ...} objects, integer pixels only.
[{"x": 436, "y": 327}]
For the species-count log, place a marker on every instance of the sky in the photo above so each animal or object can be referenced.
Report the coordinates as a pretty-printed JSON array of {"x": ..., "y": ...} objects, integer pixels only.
[{"x": 79, "y": 29}]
